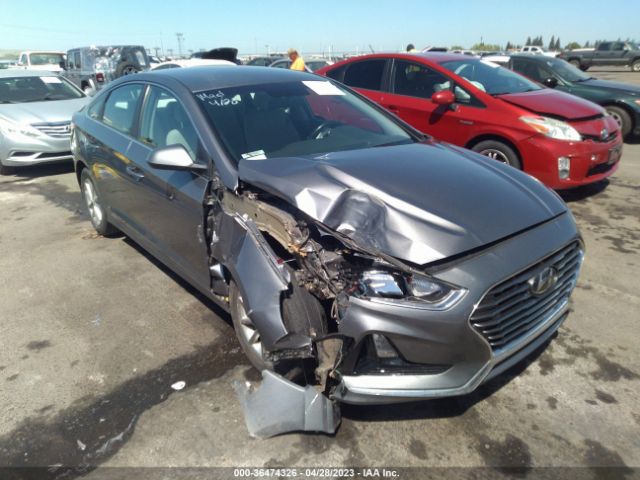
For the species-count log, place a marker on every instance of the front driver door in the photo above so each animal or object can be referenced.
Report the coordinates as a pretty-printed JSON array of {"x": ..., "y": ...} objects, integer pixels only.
[{"x": 169, "y": 203}]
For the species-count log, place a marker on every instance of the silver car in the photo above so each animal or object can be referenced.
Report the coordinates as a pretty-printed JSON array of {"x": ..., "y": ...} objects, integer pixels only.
[
  {"x": 35, "y": 117},
  {"x": 355, "y": 255}
]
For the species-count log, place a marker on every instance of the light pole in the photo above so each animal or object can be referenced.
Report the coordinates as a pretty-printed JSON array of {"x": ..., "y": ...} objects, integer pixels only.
[{"x": 180, "y": 38}]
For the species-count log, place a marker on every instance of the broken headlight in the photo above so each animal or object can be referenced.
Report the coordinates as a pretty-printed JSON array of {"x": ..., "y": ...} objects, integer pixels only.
[{"x": 412, "y": 290}]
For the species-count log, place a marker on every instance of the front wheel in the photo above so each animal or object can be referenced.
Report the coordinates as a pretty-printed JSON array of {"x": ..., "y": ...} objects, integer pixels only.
[
  {"x": 635, "y": 66},
  {"x": 621, "y": 117},
  {"x": 498, "y": 151},
  {"x": 94, "y": 205},
  {"x": 575, "y": 63}
]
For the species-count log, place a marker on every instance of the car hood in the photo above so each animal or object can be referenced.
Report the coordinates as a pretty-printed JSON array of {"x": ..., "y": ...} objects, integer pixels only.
[
  {"x": 42, "y": 112},
  {"x": 419, "y": 203},
  {"x": 554, "y": 104},
  {"x": 622, "y": 87}
]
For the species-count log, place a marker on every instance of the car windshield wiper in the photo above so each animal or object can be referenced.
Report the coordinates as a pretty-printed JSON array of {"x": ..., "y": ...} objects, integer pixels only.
[
  {"x": 7, "y": 101},
  {"x": 395, "y": 142}
]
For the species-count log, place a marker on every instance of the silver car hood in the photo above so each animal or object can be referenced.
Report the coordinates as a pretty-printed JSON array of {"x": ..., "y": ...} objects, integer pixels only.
[
  {"x": 419, "y": 203},
  {"x": 42, "y": 112}
]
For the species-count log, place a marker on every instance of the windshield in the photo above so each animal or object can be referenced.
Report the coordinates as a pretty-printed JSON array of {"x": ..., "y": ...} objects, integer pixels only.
[
  {"x": 566, "y": 71},
  {"x": 296, "y": 119},
  {"x": 46, "y": 58},
  {"x": 36, "y": 89},
  {"x": 490, "y": 77}
]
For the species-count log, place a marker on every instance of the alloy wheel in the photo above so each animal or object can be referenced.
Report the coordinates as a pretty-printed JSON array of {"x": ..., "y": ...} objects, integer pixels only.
[
  {"x": 92, "y": 202},
  {"x": 248, "y": 330},
  {"x": 495, "y": 155}
]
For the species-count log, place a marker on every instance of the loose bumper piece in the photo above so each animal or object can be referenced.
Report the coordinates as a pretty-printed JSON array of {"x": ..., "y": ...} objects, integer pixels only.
[{"x": 279, "y": 406}]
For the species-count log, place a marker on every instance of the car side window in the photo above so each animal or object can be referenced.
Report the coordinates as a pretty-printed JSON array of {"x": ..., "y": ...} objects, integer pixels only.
[
  {"x": 531, "y": 70},
  {"x": 415, "y": 80},
  {"x": 77, "y": 58},
  {"x": 365, "y": 74},
  {"x": 618, "y": 46},
  {"x": 95, "y": 108},
  {"x": 337, "y": 73},
  {"x": 23, "y": 59},
  {"x": 165, "y": 122},
  {"x": 604, "y": 46},
  {"x": 120, "y": 108}
]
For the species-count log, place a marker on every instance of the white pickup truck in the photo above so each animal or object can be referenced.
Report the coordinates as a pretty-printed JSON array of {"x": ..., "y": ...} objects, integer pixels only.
[
  {"x": 40, "y": 60},
  {"x": 537, "y": 51}
]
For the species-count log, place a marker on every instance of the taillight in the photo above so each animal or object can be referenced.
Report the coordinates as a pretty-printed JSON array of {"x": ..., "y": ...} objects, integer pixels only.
[{"x": 100, "y": 77}]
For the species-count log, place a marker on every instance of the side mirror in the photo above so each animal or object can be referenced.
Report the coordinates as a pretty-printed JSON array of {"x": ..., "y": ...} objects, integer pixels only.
[
  {"x": 174, "y": 157},
  {"x": 443, "y": 97},
  {"x": 550, "y": 82}
]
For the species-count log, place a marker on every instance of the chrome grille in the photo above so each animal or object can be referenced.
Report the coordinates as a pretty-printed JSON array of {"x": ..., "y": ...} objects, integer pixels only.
[
  {"x": 55, "y": 130},
  {"x": 509, "y": 310}
]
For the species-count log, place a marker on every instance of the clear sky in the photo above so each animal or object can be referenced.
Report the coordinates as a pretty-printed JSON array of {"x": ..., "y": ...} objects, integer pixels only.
[{"x": 311, "y": 26}]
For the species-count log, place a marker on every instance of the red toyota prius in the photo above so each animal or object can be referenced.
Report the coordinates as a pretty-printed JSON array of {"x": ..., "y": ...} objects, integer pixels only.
[{"x": 562, "y": 140}]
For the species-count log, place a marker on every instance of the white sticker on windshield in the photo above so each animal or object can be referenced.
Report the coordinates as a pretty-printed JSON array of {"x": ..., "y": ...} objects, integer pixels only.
[
  {"x": 51, "y": 80},
  {"x": 257, "y": 155},
  {"x": 490, "y": 64},
  {"x": 323, "y": 87}
]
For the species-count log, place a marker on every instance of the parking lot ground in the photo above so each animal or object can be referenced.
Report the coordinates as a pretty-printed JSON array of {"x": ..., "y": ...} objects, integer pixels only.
[{"x": 94, "y": 332}]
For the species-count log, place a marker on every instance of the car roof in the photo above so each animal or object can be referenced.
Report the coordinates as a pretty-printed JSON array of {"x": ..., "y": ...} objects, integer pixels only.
[
  {"x": 192, "y": 62},
  {"x": 202, "y": 78},
  {"x": 17, "y": 72},
  {"x": 435, "y": 57}
]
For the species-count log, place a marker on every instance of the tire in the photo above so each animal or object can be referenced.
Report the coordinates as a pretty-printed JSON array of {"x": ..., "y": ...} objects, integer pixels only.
[
  {"x": 95, "y": 208},
  {"x": 635, "y": 66},
  {"x": 575, "y": 62},
  {"x": 622, "y": 117},
  {"x": 126, "y": 69},
  {"x": 7, "y": 170},
  {"x": 498, "y": 151},
  {"x": 301, "y": 311},
  {"x": 584, "y": 69}
]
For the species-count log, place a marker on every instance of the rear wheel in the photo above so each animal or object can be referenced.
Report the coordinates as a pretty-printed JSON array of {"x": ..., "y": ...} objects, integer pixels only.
[
  {"x": 498, "y": 151},
  {"x": 575, "y": 63},
  {"x": 95, "y": 207},
  {"x": 623, "y": 119}
]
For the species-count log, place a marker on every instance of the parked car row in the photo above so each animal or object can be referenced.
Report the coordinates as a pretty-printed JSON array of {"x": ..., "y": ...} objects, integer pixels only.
[{"x": 562, "y": 140}]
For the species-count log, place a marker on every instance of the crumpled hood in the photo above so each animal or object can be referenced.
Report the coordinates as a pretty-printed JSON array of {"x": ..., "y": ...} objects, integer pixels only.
[
  {"x": 554, "y": 104},
  {"x": 621, "y": 87},
  {"x": 42, "y": 112},
  {"x": 419, "y": 203}
]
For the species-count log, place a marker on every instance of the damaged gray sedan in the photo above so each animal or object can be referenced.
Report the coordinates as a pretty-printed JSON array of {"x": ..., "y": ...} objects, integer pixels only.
[{"x": 358, "y": 258}]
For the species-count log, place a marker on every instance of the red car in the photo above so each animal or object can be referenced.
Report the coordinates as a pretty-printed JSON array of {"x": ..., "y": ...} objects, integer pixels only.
[{"x": 562, "y": 140}]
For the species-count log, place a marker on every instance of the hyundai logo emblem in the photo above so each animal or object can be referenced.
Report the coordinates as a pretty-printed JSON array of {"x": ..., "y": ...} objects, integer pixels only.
[
  {"x": 544, "y": 281},
  {"x": 604, "y": 133}
]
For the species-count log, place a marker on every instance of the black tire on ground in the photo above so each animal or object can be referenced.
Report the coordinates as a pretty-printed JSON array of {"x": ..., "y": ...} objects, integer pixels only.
[
  {"x": 635, "y": 66},
  {"x": 584, "y": 69},
  {"x": 622, "y": 117},
  {"x": 92, "y": 201},
  {"x": 498, "y": 151},
  {"x": 575, "y": 62},
  {"x": 126, "y": 69},
  {"x": 301, "y": 311},
  {"x": 7, "y": 170}
]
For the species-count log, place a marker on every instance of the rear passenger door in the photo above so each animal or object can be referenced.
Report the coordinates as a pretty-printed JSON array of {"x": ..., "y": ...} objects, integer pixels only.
[
  {"x": 367, "y": 77},
  {"x": 167, "y": 205}
]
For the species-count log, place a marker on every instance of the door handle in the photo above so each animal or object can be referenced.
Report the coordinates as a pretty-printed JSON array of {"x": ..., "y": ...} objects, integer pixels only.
[{"x": 135, "y": 172}]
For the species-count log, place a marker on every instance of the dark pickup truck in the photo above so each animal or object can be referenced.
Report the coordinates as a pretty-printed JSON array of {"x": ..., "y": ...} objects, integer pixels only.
[{"x": 606, "y": 53}]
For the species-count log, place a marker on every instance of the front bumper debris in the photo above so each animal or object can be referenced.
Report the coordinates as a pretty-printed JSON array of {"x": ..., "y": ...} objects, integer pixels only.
[{"x": 279, "y": 406}]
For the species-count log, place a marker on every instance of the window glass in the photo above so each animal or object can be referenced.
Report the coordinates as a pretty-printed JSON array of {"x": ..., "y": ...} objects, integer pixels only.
[
  {"x": 296, "y": 119},
  {"x": 23, "y": 59},
  {"x": 165, "y": 122},
  {"x": 46, "y": 58},
  {"x": 120, "y": 107},
  {"x": 77, "y": 59},
  {"x": 365, "y": 74},
  {"x": 532, "y": 70},
  {"x": 36, "y": 89},
  {"x": 618, "y": 46},
  {"x": 604, "y": 46},
  {"x": 490, "y": 77},
  {"x": 337, "y": 73},
  {"x": 95, "y": 108},
  {"x": 417, "y": 80}
]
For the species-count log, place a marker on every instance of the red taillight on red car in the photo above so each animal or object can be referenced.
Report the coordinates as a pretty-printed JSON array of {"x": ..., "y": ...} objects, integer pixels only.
[{"x": 100, "y": 77}]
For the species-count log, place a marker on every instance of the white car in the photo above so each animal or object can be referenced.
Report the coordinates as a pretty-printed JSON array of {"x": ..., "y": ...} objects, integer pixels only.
[
  {"x": 41, "y": 60},
  {"x": 191, "y": 62},
  {"x": 535, "y": 50}
]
